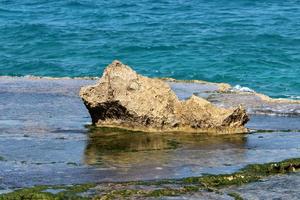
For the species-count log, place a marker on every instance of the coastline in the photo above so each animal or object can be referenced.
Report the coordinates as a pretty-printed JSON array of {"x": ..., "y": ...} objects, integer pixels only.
[
  {"x": 217, "y": 186},
  {"x": 209, "y": 110},
  {"x": 45, "y": 120}
]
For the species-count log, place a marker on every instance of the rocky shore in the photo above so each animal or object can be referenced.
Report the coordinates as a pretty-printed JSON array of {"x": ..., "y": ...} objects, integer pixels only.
[
  {"x": 46, "y": 139},
  {"x": 204, "y": 187}
]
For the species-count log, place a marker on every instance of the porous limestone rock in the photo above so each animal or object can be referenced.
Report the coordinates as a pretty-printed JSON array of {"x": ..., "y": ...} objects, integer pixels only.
[{"x": 122, "y": 98}]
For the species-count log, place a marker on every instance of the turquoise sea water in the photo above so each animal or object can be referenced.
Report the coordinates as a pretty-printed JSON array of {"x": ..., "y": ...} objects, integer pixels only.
[{"x": 252, "y": 43}]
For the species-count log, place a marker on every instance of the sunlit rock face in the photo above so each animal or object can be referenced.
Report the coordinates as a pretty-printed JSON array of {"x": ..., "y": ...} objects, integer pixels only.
[{"x": 123, "y": 98}]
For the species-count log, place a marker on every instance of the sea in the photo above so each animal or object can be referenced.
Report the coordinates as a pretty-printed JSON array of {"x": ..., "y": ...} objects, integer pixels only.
[{"x": 249, "y": 43}]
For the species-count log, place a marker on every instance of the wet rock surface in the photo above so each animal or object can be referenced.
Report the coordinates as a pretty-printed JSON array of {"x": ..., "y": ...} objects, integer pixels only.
[
  {"x": 40, "y": 147},
  {"x": 222, "y": 186},
  {"x": 123, "y": 98},
  {"x": 276, "y": 187},
  {"x": 227, "y": 97}
]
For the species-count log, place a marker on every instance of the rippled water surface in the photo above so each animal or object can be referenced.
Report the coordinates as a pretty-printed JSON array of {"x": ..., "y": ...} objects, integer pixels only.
[{"x": 247, "y": 42}]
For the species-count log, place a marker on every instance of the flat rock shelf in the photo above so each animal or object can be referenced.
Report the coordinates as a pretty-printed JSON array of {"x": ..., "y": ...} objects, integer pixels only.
[{"x": 46, "y": 138}]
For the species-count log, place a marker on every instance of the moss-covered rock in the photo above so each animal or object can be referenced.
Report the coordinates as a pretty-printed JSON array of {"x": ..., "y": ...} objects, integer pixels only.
[
  {"x": 40, "y": 193},
  {"x": 170, "y": 187},
  {"x": 2, "y": 158},
  {"x": 235, "y": 195}
]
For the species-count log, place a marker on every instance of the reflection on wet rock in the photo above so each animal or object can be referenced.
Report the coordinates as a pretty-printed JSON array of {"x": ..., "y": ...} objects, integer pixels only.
[
  {"x": 118, "y": 142},
  {"x": 112, "y": 140},
  {"x": 117, "y": 147}
]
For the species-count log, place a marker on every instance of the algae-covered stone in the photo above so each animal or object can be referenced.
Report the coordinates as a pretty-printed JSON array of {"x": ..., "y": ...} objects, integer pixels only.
[{"x": 123, "y": 98}]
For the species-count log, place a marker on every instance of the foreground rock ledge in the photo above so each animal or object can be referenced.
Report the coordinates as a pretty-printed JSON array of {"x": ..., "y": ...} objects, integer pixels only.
[{"x": 122, "y": 98}]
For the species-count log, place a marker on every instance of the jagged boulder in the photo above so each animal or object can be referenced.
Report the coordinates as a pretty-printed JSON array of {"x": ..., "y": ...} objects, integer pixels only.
[{"x": 122, "y": 98}]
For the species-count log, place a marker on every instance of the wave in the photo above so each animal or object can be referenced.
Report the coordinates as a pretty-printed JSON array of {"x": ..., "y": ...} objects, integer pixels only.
[
  {"x": 292, "y": 97},
  {"x": 242, "y": 89},
  {"x": 239, "y": 88}
]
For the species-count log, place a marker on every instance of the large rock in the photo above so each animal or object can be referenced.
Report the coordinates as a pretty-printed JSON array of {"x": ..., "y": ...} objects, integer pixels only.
[{"x": 122, "y": 98}]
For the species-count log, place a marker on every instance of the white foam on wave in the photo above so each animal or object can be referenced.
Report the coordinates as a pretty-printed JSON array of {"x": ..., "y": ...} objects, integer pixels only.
[
  {"x": 239, "y": 88},
  {"x": 293, "y": 97}
]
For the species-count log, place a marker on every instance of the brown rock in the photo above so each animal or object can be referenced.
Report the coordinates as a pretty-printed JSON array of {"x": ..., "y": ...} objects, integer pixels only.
[{"x": 122, "y": 98}]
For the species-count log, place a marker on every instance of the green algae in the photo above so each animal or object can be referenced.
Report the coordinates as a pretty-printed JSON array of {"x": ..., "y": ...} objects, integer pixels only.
[
  {"x": 168, "y": 187},
  {"x": 250, "y": 173},
  {"x": 28, "y": 193},
  {"x": 165, "y": 192},
  {"x": 108, "y": 130},
  {"x": 2, "y": 158},
  {"x": 120, "y": 194},
  {"x": 72, "y": 163},
  {"x": 173, "y": 192},
  {"x": 235, "y": 195},
  {"x": 39, "y": 193}
]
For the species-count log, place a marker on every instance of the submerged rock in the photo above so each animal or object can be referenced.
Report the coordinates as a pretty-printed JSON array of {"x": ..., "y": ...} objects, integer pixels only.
[{"x": 122, "y": 98}]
